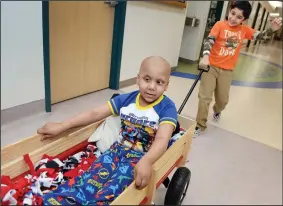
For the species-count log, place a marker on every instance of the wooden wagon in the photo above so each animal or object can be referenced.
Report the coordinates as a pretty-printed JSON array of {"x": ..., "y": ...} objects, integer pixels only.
[{"x": 14, "y": 165}]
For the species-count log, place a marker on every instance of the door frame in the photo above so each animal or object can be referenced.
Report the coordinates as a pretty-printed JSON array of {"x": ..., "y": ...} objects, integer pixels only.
[
  {"x": 116, "y": 53},
  {"x": 261, "y": 21},
  {"x": 254, "y": 20}
]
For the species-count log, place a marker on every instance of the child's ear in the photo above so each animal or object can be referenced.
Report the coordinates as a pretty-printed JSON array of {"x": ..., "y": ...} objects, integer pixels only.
[
  {"x": 166, "y": 86},
  {"x": 138, "y": 79}
]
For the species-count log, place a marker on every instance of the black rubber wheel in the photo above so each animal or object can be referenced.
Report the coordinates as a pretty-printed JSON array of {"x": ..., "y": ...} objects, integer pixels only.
[
  {"x": 178, "y": 187},
  {"x": 166, "y": 182}
]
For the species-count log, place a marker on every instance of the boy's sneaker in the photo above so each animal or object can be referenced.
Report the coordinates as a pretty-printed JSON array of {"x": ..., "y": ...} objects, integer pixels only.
[
  {"x": 197, "y": 132},
  {"x": 216, "y": 117}
]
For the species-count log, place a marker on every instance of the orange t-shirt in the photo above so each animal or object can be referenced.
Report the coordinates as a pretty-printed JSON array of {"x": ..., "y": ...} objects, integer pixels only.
[{"x": 226, "y": 48}]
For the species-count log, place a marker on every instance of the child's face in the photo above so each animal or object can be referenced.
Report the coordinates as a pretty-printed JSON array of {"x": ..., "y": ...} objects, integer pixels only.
[
  {"x": 235, "y": 17},
  {"x": 153, "y": 80}
]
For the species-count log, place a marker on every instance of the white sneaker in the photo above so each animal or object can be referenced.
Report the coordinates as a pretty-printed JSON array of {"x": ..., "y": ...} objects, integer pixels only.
[
  {"x": 216, "y": 117},
  {"x": 197, "y": 132}
]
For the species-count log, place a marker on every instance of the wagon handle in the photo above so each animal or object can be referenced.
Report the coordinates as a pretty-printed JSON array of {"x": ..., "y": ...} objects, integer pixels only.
[{"x": 192, "y": 88}]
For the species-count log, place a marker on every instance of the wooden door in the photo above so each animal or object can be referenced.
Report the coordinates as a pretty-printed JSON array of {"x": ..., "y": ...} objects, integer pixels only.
[{"x": 80, "y": 47}]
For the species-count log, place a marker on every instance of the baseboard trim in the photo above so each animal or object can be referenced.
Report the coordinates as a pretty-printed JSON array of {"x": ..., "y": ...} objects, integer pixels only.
[
  {"x": 173, "y": 69},
  {"x": 24, "y": 110},
  {"x": 181, "y": 59},
  {"x": 127, "y": 82}
]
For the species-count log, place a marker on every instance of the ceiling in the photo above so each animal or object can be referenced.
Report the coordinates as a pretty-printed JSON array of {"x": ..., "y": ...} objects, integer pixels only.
[{"x": 275, "y": 4}]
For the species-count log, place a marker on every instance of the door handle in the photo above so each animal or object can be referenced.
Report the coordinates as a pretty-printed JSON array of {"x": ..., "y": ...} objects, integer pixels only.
[{"x": 111, "y": 3}]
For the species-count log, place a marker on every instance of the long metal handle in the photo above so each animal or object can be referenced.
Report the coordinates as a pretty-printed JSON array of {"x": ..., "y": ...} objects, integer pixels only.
[
  {"x": 193, "y": 87},
  {"x": 190, "y": 92},
  {"x": 204, "y": 70}
]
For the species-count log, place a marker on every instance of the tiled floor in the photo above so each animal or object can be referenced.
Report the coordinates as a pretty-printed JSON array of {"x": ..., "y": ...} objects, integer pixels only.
[
  {"x": 250, "y": 68},
  {"x": 271, "y": 51}
]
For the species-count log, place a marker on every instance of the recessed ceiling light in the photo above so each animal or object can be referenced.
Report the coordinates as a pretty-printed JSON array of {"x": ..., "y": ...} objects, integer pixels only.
[{"x": 274, "y": 14}]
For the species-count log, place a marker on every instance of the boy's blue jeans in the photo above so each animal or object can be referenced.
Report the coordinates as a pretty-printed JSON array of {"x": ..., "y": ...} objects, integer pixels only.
[{"x": 106, "y": 179}]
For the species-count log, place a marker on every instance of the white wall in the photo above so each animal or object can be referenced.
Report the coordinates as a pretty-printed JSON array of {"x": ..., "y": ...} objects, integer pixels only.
[
  {"x": 259, "y": 16},
  {"x": 278, "y": 10},
  {"x": 150, "y": 29},
  {"x": 193, "y": 36},
  {"x": 263, "y": 21},
  {"x": 252, "y": 15},
  {"x": 270, "y": 5},
  {"x": 22, "y": 74}
]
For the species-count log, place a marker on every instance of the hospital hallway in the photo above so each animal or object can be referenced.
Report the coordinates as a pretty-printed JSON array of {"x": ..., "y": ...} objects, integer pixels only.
[
  {"x": 56, "y": 65},
  {"x": 236, "y": 161}
]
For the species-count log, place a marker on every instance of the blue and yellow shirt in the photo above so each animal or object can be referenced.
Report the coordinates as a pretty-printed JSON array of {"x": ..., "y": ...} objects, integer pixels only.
[{"x": 140, "y": 124}]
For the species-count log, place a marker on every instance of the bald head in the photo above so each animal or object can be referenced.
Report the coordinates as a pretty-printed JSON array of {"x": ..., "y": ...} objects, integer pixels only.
[
  {"x": 156, "y": 64},
  {"x": 153, "y": 78}
]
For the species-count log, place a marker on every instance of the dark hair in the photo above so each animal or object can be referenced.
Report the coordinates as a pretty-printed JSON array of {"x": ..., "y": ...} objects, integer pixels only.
[{"x": 245, "y": 6}]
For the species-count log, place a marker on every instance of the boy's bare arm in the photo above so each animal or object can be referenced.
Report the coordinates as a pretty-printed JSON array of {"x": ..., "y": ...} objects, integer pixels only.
[
  {"x": 157, "y": 149},
  {"x": 88, "y": 117},
  {"x": 259, "y": 35},
  {"x": 275, "y": 26},
  {"x": 160, "y": 144},
  {"x": 52, "y": 129}
]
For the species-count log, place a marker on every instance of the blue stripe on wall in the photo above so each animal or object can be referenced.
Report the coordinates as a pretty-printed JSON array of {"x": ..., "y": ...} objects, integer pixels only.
[{"x": 269, "y": 85}]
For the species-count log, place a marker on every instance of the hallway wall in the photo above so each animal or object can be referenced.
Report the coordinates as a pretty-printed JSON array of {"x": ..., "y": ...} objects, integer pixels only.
[
  {"x": 193, "y": 36},
  {"x": 252, "y": 15},
  {"x": 151, "y": 28},
  {"x": 278, "y": 10},
  {"x": 22, "y": 79}
]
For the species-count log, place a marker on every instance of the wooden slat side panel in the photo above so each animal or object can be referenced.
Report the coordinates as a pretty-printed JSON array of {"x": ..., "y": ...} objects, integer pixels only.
[
  {"x": 170, "y": 152},
  {"x": 131, "y": 196},
  {"x": 18, "y": 166},
  {"x": 189, "y": 138},
  {"x": 13, "y": 151},
  {"x": 185, "y": 122},
  {"x": 126, "y": 198},
  {"x": 151, "y": 188},
  {"x": 166, "y": 167},
  {"x": 27, "y": 145}
]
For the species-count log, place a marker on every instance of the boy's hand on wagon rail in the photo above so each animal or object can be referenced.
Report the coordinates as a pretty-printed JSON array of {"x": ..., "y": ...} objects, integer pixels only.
[
  {"x": 83, "y": 119},
  {"x": 144, "y": 167},
  {"x": 142, "y": 173},
  {"x": 50, "y": 130}
]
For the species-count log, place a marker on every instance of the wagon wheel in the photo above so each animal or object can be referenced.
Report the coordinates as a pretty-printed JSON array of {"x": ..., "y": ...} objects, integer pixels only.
[{"x": 178, "y": 187}]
